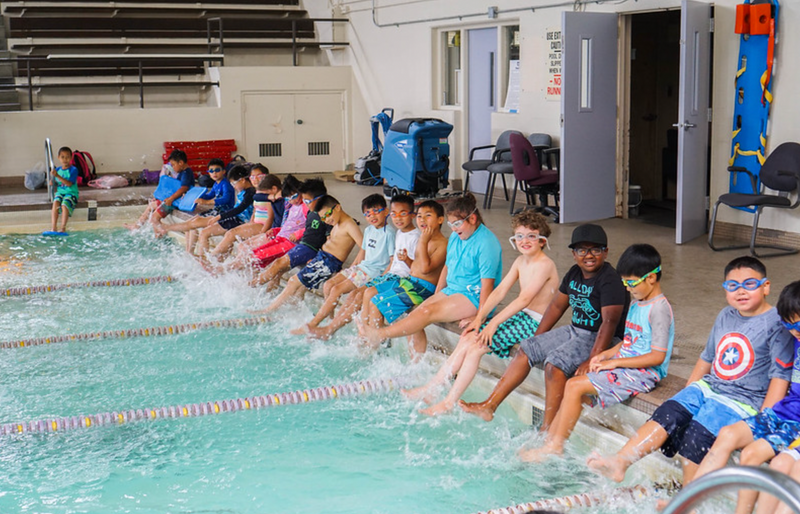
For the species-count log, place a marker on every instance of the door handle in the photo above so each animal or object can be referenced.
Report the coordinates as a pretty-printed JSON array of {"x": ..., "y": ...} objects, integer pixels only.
[
  {"x": 685, "y": 125},
  {"x": 299, "y": 122},
  {"x": 491, "y": 79}
]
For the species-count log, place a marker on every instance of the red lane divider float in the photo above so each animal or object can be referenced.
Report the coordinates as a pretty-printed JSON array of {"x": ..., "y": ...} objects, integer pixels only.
[
  {"x": 576, "y": 501},
  {"x": 29, "y": 290},
  {"x": 193, "y": 410},
  {"x": 136, "y": 332}
]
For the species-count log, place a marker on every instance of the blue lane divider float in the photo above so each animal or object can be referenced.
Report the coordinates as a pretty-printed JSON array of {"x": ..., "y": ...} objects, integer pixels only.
[
  {"x": 166, "y": 330},
  {"x": 138, "y": 281},
  {"x": 193, "y": 410}
]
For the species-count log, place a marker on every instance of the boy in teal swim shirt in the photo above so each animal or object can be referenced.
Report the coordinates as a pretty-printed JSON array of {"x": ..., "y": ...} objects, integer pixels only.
[{"x": 65, "y": 179}]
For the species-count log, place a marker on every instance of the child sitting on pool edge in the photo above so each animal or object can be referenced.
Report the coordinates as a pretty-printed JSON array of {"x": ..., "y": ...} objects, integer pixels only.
[
  {"x": 473, "y": 267},
  {"x": 373, "y": 258},
  {"x": 65, "y": 179},
  {"x": 345, "y": 235},
  {"x": 538, "y": 279},
  {"x": 635, "y": 365}
]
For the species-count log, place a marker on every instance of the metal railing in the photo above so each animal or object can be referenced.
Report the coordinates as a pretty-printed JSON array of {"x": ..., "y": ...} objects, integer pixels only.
[
  {"x": 50, "y": 165},
  {"x": 220, "y": 33},
  {"x": 739, "y": 477},
  {"x": 140, "y": 59}
]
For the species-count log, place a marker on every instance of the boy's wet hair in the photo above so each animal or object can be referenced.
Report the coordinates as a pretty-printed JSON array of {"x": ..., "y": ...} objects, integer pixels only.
[
  {"x": 290, "y": 186},
  {"x": 178, "y": 156},
  {"x": 216, "y": 162},
  {"x": 64, "y": 149},
  {"x": 638, "y": 260},
  {"x": 789, "y": 302},
  {"x": 373, "y": 202},
  {"x": 326, "y": 202},
  {"x": 746, "y": 262},
  {"x": 531, "y": 220},
  {"x": 313, "y": 187},
  {"x": 260, "y": 167},
  {"x": 433, "y": 205},
  {"x": 463, "y": 206},
  {"x": 238, "y": 172},
  {"x": 268, "y": 182},
  {"x": 405, "y": 200}
]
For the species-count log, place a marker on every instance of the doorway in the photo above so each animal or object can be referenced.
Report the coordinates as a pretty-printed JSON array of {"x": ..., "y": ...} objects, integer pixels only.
[
  {"x": 481, "y": 96},
  {"x": 653, "y": 109}
]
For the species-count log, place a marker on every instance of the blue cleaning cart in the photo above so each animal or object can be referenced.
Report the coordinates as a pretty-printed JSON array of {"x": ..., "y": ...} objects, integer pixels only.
[{"x": 416, "y": 157}]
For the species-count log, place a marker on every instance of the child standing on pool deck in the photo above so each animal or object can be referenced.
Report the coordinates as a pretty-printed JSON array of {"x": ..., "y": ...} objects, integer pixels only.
[
  {"x": 314, "y": 236},
  {"x": 745, "y": 366},
  {"x": 631, "y": 367},
  {"x": 599, "y": 301},
  {"x": 775, "y": 428},
  {"x": 345, "y": 234},
  {"x": 538, "y": 281},
  {"x": 387, "y": 301},
  {"x": 472, "y": 268},
  {"x": 405, "y": 242},
  {"x": 65, "y": 179},
  {"x": 376, "y": 251}
]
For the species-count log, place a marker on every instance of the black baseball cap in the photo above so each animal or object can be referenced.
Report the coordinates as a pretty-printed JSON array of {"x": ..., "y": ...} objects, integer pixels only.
[{"x": 589, "y": 233}]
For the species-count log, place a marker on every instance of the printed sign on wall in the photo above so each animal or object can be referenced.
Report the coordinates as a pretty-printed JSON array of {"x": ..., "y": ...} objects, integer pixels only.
[{"x": 553, "y": 65}]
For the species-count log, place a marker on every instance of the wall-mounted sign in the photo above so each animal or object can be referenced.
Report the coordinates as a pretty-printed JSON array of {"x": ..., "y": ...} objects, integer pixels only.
[{"x": 553, "y": 65}]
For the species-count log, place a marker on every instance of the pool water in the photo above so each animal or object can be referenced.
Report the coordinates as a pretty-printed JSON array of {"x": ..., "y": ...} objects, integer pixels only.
[{"x": 365, "y": 454}]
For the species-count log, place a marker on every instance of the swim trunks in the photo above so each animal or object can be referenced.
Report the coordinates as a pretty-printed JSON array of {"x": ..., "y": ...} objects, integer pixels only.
[
  {"x": 273, "y": 249},
  {"x": 617, "y": 385},
  {"x": 396, "y": 298},
  {"x": 356, "y": 275},
  {"x": 473, "y": 293},
  {"x": 780, "y": 433},
  {"x": 521, "y": 325},
  {"x": 67, "y": 199},
  {"x": 230, "y": 223},
  {"x": 319, "y": 269},
  {"x": 389, "y": 277},
  {"x": 300, "y": 255}
]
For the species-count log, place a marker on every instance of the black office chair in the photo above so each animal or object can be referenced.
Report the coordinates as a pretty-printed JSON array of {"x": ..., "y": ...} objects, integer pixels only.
[
  {"x": 502, "y": 150},
  {"x": 781, "y": 173}
]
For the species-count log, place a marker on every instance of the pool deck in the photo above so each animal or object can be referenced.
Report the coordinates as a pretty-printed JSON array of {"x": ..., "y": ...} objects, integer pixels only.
[{"x": 691, "y": 278}]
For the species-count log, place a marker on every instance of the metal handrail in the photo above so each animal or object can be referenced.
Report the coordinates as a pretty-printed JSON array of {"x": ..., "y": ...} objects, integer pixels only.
[
  {"x": 50, "y": 165},
  {"x": 769, "y": 481}
]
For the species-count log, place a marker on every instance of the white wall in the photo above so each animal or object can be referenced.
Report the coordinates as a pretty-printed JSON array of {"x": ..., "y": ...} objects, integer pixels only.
[
  {"x": 132, "y": 139},
  {"x": 396, "y": 67}
]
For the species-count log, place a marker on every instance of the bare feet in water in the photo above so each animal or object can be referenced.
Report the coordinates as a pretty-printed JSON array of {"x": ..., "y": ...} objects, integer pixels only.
[
  {"x": 610, "y": 467},
  {"x": 132, "y": 226},
  {"x": 540, "y": 454},
  {"x": 321, "y": 333},
  {"x": 482, "y": 410},
  {"x": 303, "y": 329},
  {"x": 419, "y": 393},
  {"x": 438, "y": 409}
]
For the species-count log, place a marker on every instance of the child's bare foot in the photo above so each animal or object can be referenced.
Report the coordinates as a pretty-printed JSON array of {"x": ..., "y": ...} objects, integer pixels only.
[
  {"x": 321, "y": 333},
  {"x": 303, "y": 329},
  {"x": 438, "y": 409},
  {"x": 482, "y": 410},
  {"x": 610, "y": 467},
  {"x": 131, "y": 226},
  {"x": 540, "y": 454},
  {"x": 420, "y": 393}
]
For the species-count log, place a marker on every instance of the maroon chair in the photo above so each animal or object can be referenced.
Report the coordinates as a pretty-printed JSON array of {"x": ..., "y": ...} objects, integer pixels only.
[{"x": 531, "y": 178}]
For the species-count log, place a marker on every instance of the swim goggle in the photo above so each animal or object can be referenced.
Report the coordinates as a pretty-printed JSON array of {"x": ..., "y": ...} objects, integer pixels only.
[
  {"x": 751, "y": 284},
  {"x": 518, "y": 238},
  {"x": 636, "y": 282}
]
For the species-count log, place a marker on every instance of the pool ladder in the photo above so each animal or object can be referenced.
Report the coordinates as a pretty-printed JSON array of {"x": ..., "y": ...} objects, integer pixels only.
[
  {"x": 49, "y": 163},
  {"x": 740, "y": 477}
]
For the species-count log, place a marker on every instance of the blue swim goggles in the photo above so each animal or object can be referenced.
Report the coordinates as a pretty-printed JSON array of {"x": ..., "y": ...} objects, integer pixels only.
[
  {"x": 791, "y": 326},
  {"x": 751, "y": 284}
]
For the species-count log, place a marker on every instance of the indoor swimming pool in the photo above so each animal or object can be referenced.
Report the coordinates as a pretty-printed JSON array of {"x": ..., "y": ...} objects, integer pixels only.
[{"x": 361, "y": 454}]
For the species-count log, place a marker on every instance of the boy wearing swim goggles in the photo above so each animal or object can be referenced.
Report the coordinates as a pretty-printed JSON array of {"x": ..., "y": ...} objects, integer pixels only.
[{"x": 745, "y": 367}]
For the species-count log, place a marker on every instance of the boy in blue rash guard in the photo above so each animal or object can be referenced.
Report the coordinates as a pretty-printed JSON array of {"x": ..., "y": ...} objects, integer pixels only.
[
  {"x": 221, "y": 197},
  {"x": 473, "y": 268},
  {"x": 592, "y": 288},
  {"x": 178, "y": 160},
  {"x": 239, "y": 215},
  {"x": 745, "y": 366},
  {"x": 775, "y": 428},
  {"x": 65, "y": 179}
]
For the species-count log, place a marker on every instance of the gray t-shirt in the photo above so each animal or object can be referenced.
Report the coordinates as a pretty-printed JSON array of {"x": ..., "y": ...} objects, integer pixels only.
[{"x": 746, "y": 353}]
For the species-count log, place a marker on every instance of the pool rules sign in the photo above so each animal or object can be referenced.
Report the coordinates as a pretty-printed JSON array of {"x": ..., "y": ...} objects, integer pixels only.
[{"x": 553, "y": 52}]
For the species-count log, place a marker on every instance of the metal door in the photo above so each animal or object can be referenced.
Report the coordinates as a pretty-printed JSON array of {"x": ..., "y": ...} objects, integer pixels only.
[
  {"x": 319, "y": 132},
  {"x": 482, "y": 96},
  {"x": 588, "y": 116},
  {"x": 691, "y": 217},
  {"x": 269, "y": 130}
]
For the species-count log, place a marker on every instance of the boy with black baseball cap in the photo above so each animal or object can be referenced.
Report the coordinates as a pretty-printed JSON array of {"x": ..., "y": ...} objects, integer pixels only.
[{"x": 599, "y": 302}]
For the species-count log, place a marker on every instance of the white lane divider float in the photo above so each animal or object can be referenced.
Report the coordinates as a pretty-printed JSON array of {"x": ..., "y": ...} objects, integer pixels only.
[
  {"x": 139, "y": 281},
  {"x": 573, "y": 501},
  {"x": 136, "y": 332},
  {"x": 193, "y": 410}
]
